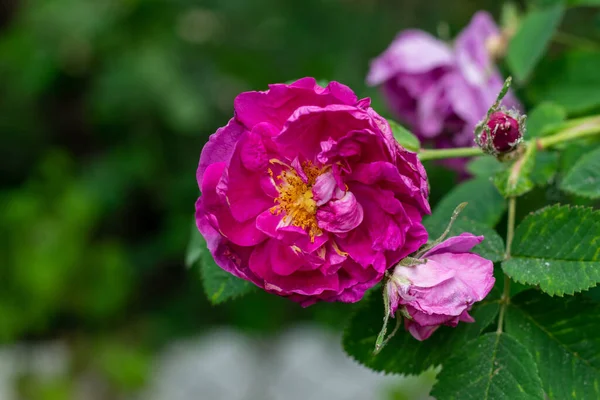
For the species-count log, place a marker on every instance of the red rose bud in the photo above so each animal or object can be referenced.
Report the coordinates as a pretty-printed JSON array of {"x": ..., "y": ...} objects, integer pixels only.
[{"x": 505, "y": 132}]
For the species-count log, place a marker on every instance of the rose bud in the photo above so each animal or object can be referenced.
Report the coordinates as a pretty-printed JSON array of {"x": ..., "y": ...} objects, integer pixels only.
[
  {"x": 306, "y": 194},
  {"x": 505, "y": 133},
  {"x": 441, "y": 290}
]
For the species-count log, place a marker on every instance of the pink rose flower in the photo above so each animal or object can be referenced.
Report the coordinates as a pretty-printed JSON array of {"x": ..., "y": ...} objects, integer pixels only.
[
  {"x": 442, "y": 92},
  {"x": 441, "y": 291},
  {"x": 306, "y": 193}
]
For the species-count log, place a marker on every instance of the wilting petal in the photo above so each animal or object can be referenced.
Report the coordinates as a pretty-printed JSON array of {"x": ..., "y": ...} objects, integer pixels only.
[
  {"x": 473, "y": 274},
  {"x": 441, "y": 289},
  {"x": 419, "y": 332},
  {"x": 324, "y": 188},
  {"x": 462, "y": 243},
  {"x": 340, "y": 215}
]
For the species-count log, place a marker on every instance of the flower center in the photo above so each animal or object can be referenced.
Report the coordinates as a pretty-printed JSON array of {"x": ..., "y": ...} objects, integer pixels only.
[{"x": 296, "y": 198}]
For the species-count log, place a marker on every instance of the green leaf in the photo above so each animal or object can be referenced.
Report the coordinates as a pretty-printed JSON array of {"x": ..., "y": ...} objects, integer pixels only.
[
  {"x": 516, "y": 181},
  {"x": 405, "y": 137},
  {"x": 577, "y": 3},
  {"x": 557, "y": 248},
  {"x": 196, "y": 246},
  {"x": 562, "y": 335},
  {"x": 485, "y": 166},
  {"x": 584, "y": 178},
  {"x": 486, "y": 205},
  {"x": 571, "y": 81},
  {"x": 545, "y": 168},
  {"x": 494, "y": 366},
  {"x": 531, "y": 40},
  {"x": 404, "y": 354},
  {"x": 492, "y": 246},
  {"x": 544, "y": 116},
  {"x": 219, "y": 285},
  {"x": 572, "y": 153}
]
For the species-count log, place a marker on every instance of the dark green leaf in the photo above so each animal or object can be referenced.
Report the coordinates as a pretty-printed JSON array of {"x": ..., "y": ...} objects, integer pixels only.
[
  {"x": 491, "y": 367},
  {"x": 576, "y": 3},
  {"x": 405, "y": 137},
  {"x": 562, "y": 335},
  {"x": 492, "y": 246},
  {"x": 516, "y": 179},
  {"x": 570, "y": 155},
  {"x": 557, "y": 248},
  {"x": 544, "y": 170},
  {"x": 196, "y": 246},
  {"x": 219, "y": 284},
  {"x": 584, "y": 178},
  {"x": 531, "y": 40},
  {"x": 486, "y": 205},
  {"x": 485, "y": 166},
  {"x": 404, "y": 354},
  {"x": 571, "y": 81},
  {"x": 542, "y": 117}
]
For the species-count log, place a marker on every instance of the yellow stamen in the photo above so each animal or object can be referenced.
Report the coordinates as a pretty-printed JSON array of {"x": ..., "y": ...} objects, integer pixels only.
[
  {"x": 296, "y": 198},
  {"x": 338, "y": 250}
]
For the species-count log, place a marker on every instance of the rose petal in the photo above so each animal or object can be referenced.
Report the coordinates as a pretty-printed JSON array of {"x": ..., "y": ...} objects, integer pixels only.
[
  {"x": 219, "y": 147},
  {"x": 412, "y": 51},
  {"x": 462, "y": 243},
  {"x": 324, "y": 188},
  {"x": 340, "y": 215}
]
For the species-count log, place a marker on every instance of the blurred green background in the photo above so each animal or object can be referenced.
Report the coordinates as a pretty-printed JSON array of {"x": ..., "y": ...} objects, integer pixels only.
[{"x": 104, "y": 108}]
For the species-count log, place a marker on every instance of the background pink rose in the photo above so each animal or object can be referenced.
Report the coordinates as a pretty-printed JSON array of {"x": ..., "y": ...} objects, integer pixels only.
[{"x": 440, "y": 91}]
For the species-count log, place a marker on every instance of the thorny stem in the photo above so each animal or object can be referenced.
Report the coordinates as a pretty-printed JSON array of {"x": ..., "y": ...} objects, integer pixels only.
[
  {"x": 459, "y": 152},
  {"x": 584, "y": 127},
  {"x": 505, "y": 299},
  {"x": 574, "y": 129},
  {"x": 575, "y": 41}
]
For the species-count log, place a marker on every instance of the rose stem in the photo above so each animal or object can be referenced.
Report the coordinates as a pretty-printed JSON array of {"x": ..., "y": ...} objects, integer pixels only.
[{"x": 505, "y": 299}]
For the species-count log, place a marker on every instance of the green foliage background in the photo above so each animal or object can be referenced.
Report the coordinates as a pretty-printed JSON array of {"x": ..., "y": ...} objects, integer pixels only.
[{"x": 104, "y": 108}]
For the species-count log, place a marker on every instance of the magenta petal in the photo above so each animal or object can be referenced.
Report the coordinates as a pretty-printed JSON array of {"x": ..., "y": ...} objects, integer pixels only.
[
  {"x": 340, "y": 215},
  {"x": 278, "y": 103},
  {"x": 245, "y": 194},
  {"x": 299, "y": 170},
  {"x": 241, "y": 233},
  {"x": 253, "y": 153},
  {"x": 219, "y": 147},
  {"x": 219, "y": 246},
  {"x": 268, "y": 223},
  {"x": 367, "y": 225},
  {"x": 302, "y": 133},
  {"x": 309, "y": 283}
]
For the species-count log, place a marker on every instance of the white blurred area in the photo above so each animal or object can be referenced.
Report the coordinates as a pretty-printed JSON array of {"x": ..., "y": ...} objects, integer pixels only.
[{"x": 303, "y": 363}]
